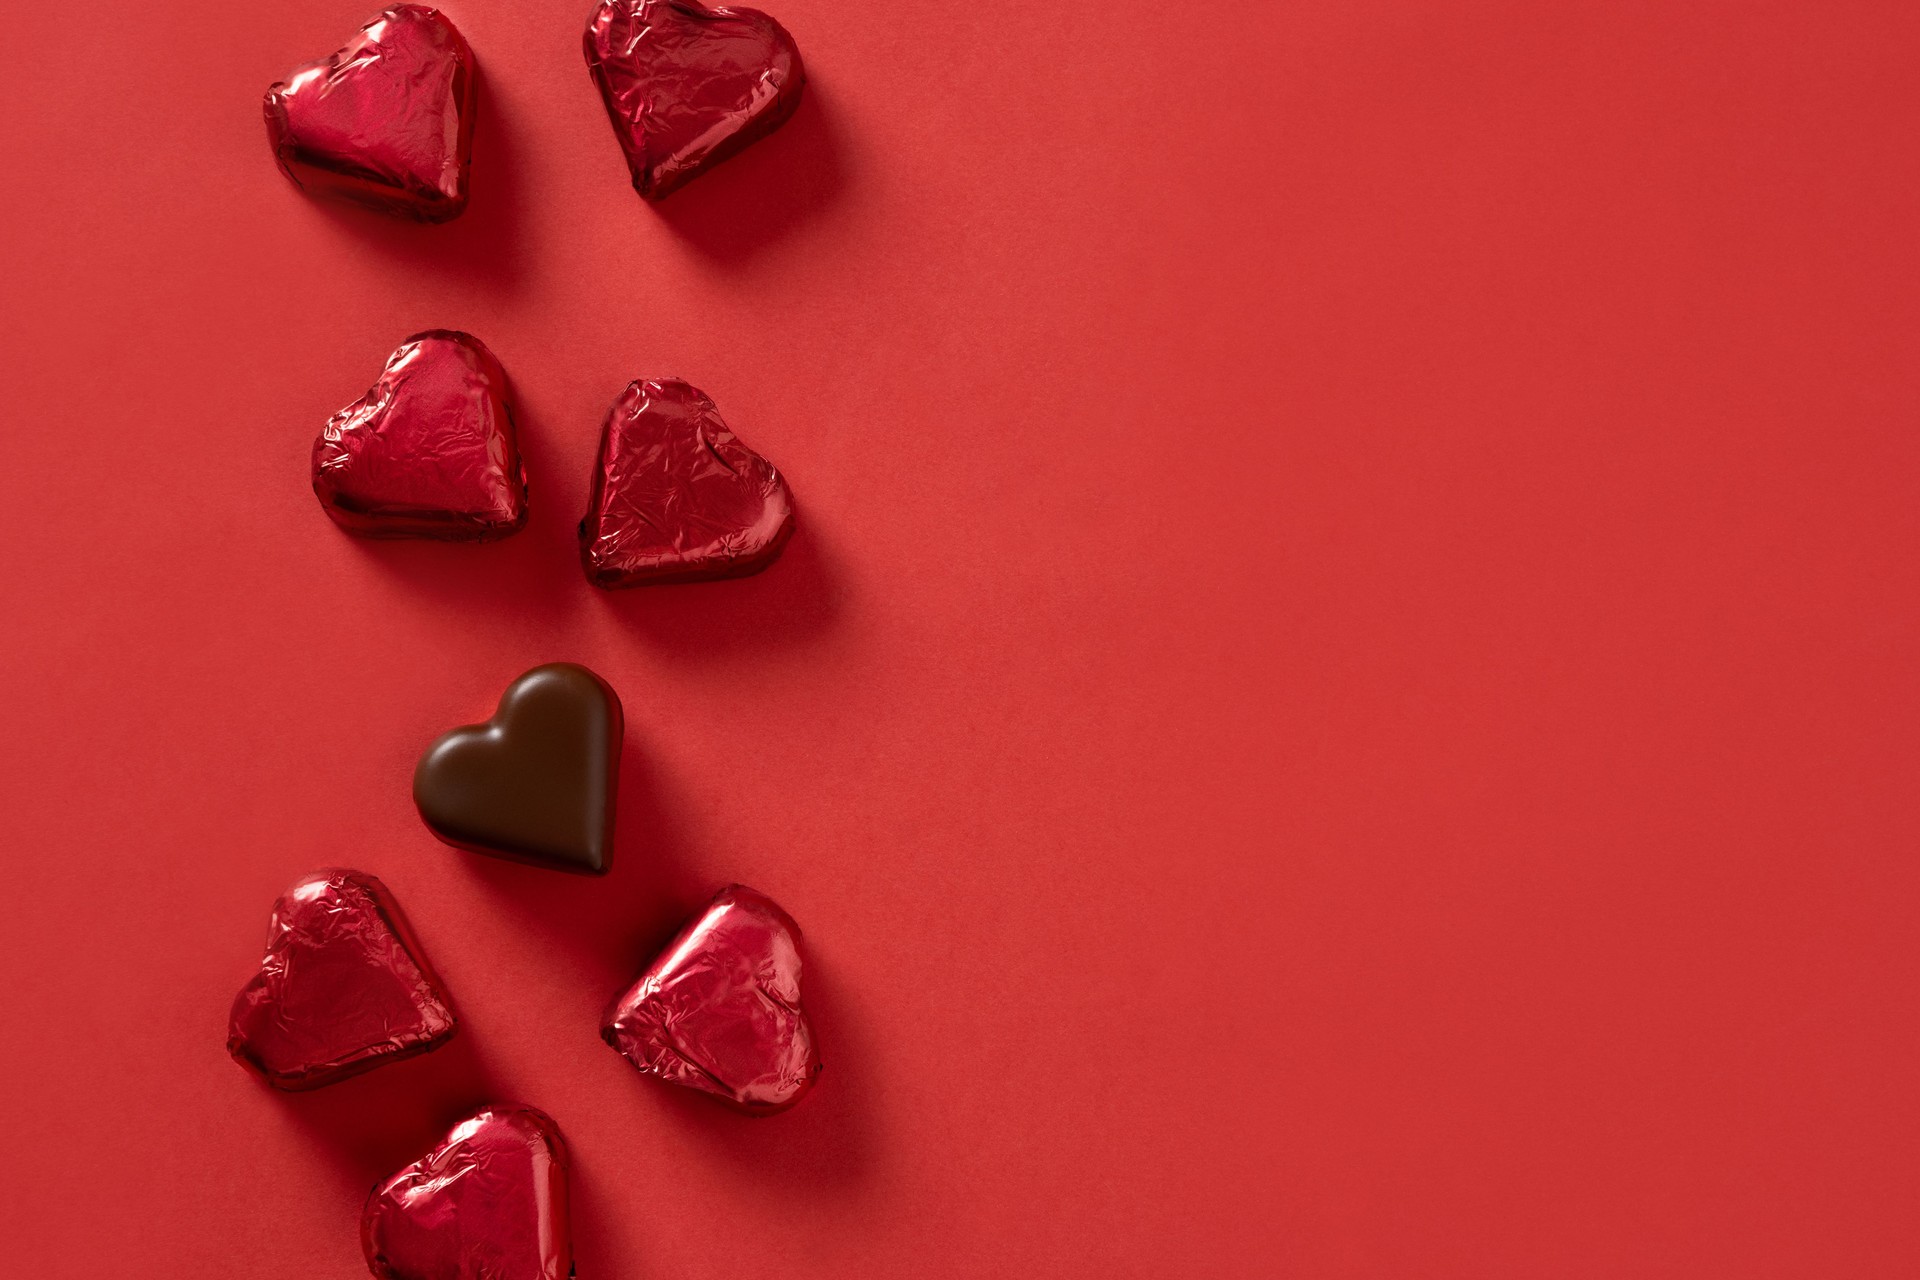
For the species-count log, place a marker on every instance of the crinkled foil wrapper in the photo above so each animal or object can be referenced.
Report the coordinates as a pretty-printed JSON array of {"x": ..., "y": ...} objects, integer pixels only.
[
  {"x": 343, "y": 987},
  {"x": 719, "y": 1010},
  {"x": 386, "y": 122},
  {"x": 676, "y": 497},
  {"x": 430, "y": 451},
  {"x": 488, "y": 1203},
  {"x": 686, "y": 86}
]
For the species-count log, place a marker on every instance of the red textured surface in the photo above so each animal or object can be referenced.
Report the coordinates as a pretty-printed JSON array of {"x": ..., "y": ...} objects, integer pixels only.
[
  {"x": 675, "y": 495},
  {"x": 341, "y": 988},
  {"x": 386, "y": 121},
  {"x": 1343, "y": 704},
  {"x": 490, "y": 1200},
  {"x": 686, "y": 86},
  {"x": 721, "y": 1008},
  {"x": 430, "y": 450}
]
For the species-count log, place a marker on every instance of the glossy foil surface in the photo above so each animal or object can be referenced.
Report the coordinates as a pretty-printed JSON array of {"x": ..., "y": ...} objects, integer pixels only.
[
  {"x": 676, "y": 497},
  {"x": 687, "y": 86},
  {"x": 719, "y": 1010},
  {"x": 343, "y": 987},
  {"x": 488, "y": 1203},
  {"x": 430, "y": 451},
  {"x": 387, "y": 122}
]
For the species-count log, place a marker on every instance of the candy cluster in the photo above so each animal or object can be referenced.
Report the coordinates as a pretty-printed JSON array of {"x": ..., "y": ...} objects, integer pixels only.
[{"x": 432, "y": 451}]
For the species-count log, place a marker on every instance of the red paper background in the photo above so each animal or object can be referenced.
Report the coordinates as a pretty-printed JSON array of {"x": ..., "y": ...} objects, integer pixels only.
[{"x": 1344, "y": 705}]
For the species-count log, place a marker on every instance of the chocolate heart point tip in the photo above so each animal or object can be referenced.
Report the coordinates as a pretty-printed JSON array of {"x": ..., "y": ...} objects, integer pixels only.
[{"x": 537, "y": 782}]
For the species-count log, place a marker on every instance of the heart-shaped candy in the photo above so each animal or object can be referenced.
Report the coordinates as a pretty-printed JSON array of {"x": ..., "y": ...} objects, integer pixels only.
[
  {"x": 488, "y": 1203},
  {"x": 386, "y": 122},
  {"x": 537, "y": 782},
  {"x": 687, "y": 86},
  {"x": 719, "y": 1010},
  {"x": 676, "y": 497},
  {"x": 343, "y": 987},
  {"x": 430, "y": 451}
]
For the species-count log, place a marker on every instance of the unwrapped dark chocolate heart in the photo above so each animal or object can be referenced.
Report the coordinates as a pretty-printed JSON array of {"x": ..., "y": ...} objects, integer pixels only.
[
  {"x": 719, "y": 1010},
  {"x": 676, "y": 496},
  {"x": 687, "y": 86},
  {"x": 430, "y": 451},
  {"x": 386, "y": 122},
  {"x": 537, "y": 782},
  {"x": 342, "y": 988},
  {"x": 488, "y": 1203}
]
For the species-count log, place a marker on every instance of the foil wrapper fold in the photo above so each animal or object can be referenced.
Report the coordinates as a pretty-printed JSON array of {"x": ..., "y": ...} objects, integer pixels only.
[
  {"x": 488, "y": 1203},
  {"x": 387, "y": 121},
  {"x": 343, "y": 987},
  {"x": 676, "y": 497},
  {"x": 720, "y": 1011},
  {"x": 686, "y": 86},
  {"x": 430, "y": 451}
]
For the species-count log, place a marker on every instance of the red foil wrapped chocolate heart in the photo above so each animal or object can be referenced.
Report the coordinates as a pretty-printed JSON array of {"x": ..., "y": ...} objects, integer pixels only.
[
  {"x": 488, "y": 1203},
  {"x": 343, "y": 987},
  {"x": 386, "y": 122},
  {"x": 687, "y": 86},
  {"x": 676, "y": 497},
  {"x": 719, "y": 1010},
  {"x": 430, "y": 451}
]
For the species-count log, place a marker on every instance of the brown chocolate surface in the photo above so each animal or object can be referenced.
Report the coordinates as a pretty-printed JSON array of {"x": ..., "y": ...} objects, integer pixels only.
[{"x": 536, "y": 783}]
